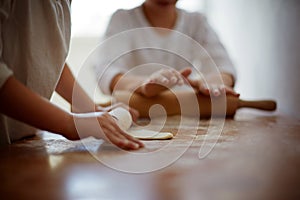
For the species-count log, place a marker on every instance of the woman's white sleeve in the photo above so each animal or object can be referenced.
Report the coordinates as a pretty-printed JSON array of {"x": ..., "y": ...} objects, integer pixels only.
[
  {"x": 109, "y": 51},
  {"x": 213, "y": 46}
]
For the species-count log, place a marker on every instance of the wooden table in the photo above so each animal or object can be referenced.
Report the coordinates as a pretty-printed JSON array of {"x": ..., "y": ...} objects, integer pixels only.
[{"x": 257, "y": 156}]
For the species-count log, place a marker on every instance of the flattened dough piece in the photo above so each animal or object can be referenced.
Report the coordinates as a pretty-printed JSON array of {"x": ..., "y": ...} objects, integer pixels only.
[{"x": 149, "y": 134}]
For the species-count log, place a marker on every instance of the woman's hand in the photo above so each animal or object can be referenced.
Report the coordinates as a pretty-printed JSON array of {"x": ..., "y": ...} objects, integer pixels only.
[
  {"x": 212, "y": 86},
  {"x": 162, "y": 80}
]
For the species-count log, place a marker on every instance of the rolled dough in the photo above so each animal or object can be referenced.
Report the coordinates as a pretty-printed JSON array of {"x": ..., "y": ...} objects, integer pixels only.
[{"x": 124, "y": 120}]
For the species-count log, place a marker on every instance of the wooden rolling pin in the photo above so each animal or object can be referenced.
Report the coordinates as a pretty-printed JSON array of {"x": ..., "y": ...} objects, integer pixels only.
[{"x": 188, "y": 100}]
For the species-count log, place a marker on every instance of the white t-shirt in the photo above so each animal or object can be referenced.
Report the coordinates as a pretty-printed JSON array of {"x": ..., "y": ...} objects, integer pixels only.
[
  {"x": 34, "y": 42},
  {"x": 132, "y": 47}
]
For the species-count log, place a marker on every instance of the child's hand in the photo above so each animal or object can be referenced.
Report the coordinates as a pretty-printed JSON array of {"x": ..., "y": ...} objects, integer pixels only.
[
  {"x": 134, "y": 113},
  {"x": 162, "y": 80},
  {"x": 102, "y": 125}
]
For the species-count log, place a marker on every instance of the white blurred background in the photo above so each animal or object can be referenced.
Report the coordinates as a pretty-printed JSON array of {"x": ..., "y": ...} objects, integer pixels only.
[{"x": 261, "y": 36}]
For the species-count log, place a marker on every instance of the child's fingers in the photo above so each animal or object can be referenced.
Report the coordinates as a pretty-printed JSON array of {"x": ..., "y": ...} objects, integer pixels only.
[
  {"x": 117, "y": 137},
  {"x": 131, "y": 141},
  {"x": 131, "y": 138},
  {"x": 115, "y": 134},
  {"x": 122, "y": 142},
  {"x": 122, "y": 134},
  {"x": 134, "y": 113}
]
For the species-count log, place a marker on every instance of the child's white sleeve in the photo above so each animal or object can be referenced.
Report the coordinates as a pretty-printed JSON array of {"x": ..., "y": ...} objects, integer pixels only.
[{"x": 5, "y": 72}]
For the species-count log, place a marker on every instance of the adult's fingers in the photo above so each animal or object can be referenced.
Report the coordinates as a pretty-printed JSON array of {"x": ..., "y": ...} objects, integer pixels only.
[
  {"x": 204, "y": 89},
  {"x": 178, "y": 76},
  {"x": 186, "y": 72},
  {"x": 216, "y": 91},
  {"x": 194, "y": 83},
  {"x": 170, "y": 75},
  {"x": 166, "y": 77},
  {"x": 229, "y": 90}
]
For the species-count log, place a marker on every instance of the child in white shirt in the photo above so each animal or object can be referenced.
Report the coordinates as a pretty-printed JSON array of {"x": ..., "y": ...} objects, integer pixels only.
[{"x": 34, "y": 42}]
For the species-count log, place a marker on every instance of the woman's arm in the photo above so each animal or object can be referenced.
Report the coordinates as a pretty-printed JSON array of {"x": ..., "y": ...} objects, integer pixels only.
[
  {"x": 215, "y": 85},
  {"x": 152, "y": 85}
]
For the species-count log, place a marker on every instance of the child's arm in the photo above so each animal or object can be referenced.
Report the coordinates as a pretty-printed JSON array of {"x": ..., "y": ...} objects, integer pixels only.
[
  {"x": 65, "y": 88},
  {"x": 20, "y": 103}
]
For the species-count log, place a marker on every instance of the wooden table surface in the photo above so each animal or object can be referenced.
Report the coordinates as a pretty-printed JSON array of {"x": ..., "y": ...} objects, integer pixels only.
[{"x": 257, "y": 156}]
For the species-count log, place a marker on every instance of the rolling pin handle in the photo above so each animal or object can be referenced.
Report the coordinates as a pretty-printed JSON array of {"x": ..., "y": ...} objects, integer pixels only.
[{"x": 268, "y": 105}]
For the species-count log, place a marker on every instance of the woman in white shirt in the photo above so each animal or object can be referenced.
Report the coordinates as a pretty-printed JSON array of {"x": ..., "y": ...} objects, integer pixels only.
[{"x": 164, "y": 14}]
